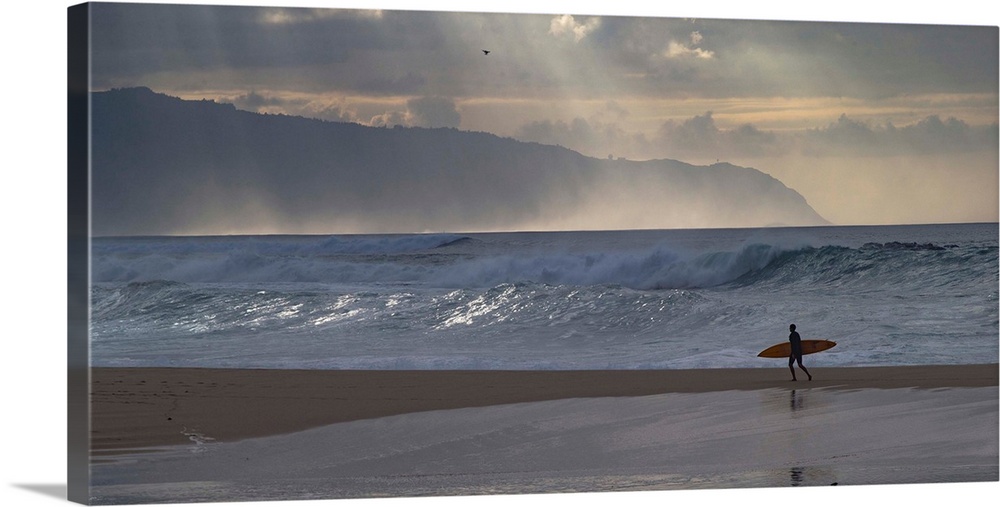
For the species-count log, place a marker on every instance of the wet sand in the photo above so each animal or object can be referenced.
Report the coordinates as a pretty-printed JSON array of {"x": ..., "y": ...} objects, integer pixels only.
[{"x": 135, "y": 408}]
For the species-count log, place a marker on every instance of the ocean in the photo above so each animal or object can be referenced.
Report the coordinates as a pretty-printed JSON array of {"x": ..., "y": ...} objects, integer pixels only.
[{"x": 675, "y": 299}]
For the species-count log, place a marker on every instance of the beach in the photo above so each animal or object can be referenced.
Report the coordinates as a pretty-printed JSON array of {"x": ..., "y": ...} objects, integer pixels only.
[
  {"x": 203, "y": 435},
  {"x": 147, "y": 407}
]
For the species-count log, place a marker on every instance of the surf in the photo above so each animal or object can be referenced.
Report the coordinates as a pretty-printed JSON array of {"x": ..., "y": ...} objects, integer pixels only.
[
  {"x": 626, "y": 299},
  {"x": 443, "y": 261}
]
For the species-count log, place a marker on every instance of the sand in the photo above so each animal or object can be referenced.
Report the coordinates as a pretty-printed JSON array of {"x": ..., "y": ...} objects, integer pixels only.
[{"x": 138, "y": 408}]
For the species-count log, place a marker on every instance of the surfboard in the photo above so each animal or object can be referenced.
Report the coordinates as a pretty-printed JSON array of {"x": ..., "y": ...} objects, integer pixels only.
[{"x": 784, "y": 349}]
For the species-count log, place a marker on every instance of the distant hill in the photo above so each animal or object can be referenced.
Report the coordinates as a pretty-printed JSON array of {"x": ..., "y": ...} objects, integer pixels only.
[{"x": 162, "y": 165}]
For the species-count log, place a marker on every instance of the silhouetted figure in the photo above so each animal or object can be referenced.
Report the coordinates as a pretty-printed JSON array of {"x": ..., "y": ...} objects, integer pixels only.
[
  {"x": 486, "y": 52},
  {"x": 796, "y": 355}
]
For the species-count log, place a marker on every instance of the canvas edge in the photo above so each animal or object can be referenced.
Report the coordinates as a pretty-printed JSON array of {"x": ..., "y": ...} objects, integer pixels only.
[{"x": 78, "y": 250}]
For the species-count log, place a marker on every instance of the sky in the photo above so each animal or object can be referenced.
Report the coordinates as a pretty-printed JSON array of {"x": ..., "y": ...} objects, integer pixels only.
[{"x": 873, "y": 122}]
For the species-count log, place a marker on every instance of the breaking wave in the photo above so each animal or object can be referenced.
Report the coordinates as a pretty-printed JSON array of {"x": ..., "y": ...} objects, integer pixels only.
[{"x": 428, "y": 260}]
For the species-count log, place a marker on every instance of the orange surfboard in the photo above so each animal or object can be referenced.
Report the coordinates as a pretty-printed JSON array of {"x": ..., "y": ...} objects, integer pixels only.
[{"x": 784, "y": 349}]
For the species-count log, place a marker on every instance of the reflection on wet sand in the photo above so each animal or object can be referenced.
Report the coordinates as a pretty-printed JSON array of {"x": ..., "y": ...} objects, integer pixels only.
[
  {"x": 728, "y": 439},
  {"x": 797, "y": 401},
  {"x": 796, "y": 474}
]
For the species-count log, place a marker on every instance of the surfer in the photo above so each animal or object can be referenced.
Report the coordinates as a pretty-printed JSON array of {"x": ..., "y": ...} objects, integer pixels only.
[{"x": 796, "y": 354}]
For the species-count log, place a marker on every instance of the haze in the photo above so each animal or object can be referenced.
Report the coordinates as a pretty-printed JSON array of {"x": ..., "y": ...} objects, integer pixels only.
[{"x": 871, "y": 123}]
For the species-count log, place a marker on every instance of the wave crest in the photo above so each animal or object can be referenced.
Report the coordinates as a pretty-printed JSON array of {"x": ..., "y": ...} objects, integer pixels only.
[
  {"x": 660, "y": 268},
  {"x": 455, "y": 261}
]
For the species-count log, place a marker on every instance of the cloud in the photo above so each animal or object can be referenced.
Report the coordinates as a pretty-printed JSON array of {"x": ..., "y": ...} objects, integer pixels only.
[
  {"x": 430, "y": 112},
  {"x": 434, "y": 112},
  {"x": 841, "y": 135},
  {"x": 930, "y": 135},
  {"x": 259, "y": 102},
  {"x": 688, "y": 49},
  {"x": 290, "y": 16},
  {"x": 185, "y": 47},
  {"x": 391, "y": 118},
  {"x": 567, "y": 26},
  {"x": 335, "y": 113},
  {"x": 694, "y": 135},
  {"x": 253, "y": 101},
  {"x": 399, "y": 53},
  {"x": 410, "y": 82},
  {"x": 699, "y": 137}
]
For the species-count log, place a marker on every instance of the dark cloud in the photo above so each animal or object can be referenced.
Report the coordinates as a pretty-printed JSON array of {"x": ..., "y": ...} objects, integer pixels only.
[
  {"x": 390, "y": 119},
  {"x": 390, "y": 84},
  {"x": 801, "y": 59},
  {"x": 434, "y": 112},
  {"x": 253, "y": 101},
  {"x": 699, "y": 138},
  {"x": 438, "y": 53},
  {"x": 914, "y": 58},
  {"x": 136, "y": 40},
  {"x": 931, "y": 135},
  {"x": 335, "y": 113},
  {"x": 265, "y": 103},
  {"x": 430, "y": 112}
]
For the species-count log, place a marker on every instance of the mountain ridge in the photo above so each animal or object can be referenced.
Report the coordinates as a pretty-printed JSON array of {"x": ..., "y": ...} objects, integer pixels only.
[{"x": 164, "y": 165}]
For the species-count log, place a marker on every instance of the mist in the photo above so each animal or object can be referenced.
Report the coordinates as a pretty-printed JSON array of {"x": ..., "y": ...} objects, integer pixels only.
[
  {"x": 912, "y": 189},
  {"x": 933, "y": 170}
]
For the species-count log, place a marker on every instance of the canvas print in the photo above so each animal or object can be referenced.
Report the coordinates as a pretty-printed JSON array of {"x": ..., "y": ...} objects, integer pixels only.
[{"x": 328, "y": 253}]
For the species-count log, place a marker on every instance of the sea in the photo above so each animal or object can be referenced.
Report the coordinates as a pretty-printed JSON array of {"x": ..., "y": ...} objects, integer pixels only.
[{"x": 643, "y": 299}]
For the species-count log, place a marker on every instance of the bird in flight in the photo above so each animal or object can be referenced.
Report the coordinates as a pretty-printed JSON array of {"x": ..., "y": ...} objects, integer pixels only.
[{"x": 486, "y": 52}]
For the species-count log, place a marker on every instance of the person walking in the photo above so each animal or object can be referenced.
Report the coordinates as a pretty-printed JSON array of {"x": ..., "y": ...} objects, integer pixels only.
[{"x": 796, "y": 354}]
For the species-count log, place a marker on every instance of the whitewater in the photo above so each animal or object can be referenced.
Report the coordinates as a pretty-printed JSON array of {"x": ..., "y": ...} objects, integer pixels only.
[{"x": 712, "y": 298}]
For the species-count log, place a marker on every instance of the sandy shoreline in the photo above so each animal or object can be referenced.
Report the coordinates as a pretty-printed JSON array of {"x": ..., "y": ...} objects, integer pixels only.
[{"x": 134, "y": 408}]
